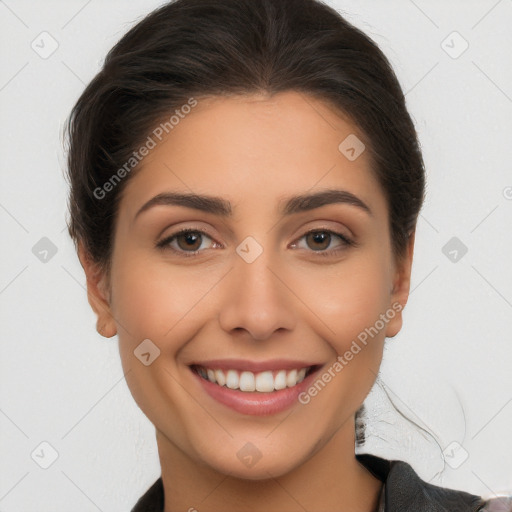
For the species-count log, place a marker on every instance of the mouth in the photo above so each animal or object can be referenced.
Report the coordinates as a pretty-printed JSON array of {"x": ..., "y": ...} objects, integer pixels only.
[
  {"x": 262, "y": 390},
  {"x": 267, "y": 381}
]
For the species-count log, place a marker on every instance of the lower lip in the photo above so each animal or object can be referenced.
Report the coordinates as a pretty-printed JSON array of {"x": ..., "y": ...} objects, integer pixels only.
[{"x": 256, "y": 403}]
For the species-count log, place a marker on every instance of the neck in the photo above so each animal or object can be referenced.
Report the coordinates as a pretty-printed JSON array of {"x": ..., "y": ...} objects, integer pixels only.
[{"x": 330, "y": 479}]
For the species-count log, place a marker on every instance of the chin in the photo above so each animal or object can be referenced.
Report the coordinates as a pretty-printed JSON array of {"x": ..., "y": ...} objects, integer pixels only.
[{"x": 252, "y": 464}]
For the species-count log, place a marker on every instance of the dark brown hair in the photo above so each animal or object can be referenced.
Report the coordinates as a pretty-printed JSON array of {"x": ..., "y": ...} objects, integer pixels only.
[
  {"x": 198, "y": 48},
  {"x": 201, "y": 48}
]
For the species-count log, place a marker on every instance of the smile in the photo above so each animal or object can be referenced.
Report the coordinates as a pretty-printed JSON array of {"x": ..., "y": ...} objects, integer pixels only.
[
  {"x": 260, "y": 389},
  {"x": 246, "y": 381}
]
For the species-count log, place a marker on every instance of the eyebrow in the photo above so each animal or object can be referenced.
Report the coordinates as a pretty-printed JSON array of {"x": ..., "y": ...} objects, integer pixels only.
[{"x": 287, "y": 206}]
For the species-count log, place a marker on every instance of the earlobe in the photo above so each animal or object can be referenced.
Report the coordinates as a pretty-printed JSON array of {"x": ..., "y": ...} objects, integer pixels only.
[
  {"x": 98, "y": 294},
  {"x": 400, "y": 290}
]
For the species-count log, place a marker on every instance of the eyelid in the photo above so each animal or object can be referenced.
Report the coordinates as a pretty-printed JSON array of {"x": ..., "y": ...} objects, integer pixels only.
[
  {"x": 347, "y": 241},
  {"x": 164, "y": 243}
]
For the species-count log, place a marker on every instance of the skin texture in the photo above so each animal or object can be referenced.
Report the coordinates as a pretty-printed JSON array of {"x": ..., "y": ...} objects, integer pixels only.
[{"x": 290, "y": 303}]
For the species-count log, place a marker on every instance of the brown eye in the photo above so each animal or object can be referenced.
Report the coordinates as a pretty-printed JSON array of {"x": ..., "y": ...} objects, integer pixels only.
[
  {"x": 321, "y": 241},
  {"x": 318, "y": 240},
  {"x": 189, "y": 241},
  {"x": 186, "y": 242}
]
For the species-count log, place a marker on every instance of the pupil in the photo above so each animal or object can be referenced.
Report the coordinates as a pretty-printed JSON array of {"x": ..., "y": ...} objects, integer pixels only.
[
  {"x": 321, "y": 237},
  {"x": 190, "y": 239}
]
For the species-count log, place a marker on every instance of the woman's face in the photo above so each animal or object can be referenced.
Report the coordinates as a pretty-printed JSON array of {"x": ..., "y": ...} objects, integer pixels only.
[{"x": 249, "y": 291}]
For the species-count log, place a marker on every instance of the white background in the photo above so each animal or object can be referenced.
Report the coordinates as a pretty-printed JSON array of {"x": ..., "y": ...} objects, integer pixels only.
[{"x": 450, "y": 367}]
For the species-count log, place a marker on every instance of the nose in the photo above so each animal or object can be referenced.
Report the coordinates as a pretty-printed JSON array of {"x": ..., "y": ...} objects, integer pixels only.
[{"x": 257, "y": 299}]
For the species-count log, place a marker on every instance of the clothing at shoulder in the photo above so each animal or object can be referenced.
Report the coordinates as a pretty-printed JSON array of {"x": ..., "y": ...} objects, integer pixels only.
[{"x": 404, "y": 491}]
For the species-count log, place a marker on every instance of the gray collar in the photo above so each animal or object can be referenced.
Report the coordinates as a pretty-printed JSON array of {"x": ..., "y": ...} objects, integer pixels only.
[{"x": 403, "y": 491}]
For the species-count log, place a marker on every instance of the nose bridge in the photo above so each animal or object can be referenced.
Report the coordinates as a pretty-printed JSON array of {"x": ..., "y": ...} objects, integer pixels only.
[
  {"x": 256, "y": 274},
  {"x": 256, "y": 298}
]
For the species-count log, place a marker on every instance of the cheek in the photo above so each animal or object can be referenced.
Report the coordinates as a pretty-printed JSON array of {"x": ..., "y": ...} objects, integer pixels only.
[
  {"x": 152, "y": 297},
  {"x": 156, "y": 302},
  {"x": 350, "y": 301},
  {"x": 349, "y": 297},
  {"x": 163, "y": 303}
]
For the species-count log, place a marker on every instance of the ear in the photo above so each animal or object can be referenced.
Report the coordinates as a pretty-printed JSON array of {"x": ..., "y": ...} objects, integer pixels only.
[
  {"x": 400, "y": 290},
  {"x": 98, "y": 294}
]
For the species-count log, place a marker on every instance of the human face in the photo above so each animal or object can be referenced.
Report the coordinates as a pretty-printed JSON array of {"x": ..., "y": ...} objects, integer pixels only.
[{"x": 258, "y": 293}]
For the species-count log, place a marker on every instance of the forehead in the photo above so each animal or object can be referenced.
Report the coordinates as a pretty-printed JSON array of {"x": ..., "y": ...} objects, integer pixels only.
[{"x": 255, "y": 148}]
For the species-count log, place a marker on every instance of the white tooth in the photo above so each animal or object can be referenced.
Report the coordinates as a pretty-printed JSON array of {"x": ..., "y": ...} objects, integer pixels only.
[
  {"x": 220, "y": 377},
  {"x": 265, "y": 382},
  {"x": 247, "y": 381},
  {"x": 232, "y": 379},
  {"x": 280, "y": 380},
  {"x": 291, "y": 378}
]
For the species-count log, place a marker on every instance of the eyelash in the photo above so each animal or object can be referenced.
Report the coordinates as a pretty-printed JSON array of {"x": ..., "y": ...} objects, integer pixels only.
[{"x": 164, "y": 244}]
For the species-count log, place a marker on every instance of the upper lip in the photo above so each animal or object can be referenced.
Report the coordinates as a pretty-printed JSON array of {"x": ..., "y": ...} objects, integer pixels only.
[{"x": 254, "y": 366}]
